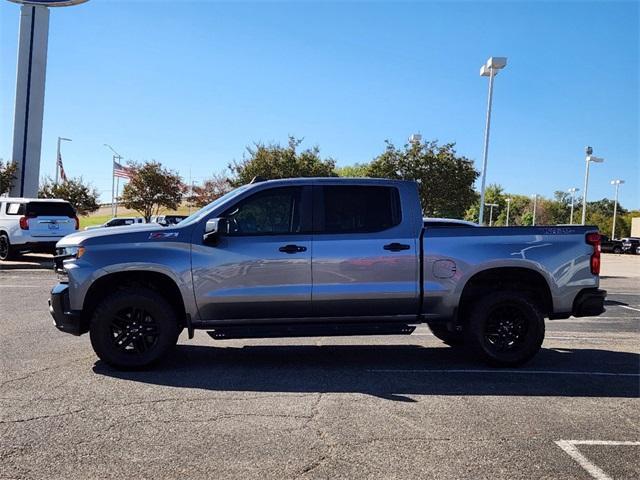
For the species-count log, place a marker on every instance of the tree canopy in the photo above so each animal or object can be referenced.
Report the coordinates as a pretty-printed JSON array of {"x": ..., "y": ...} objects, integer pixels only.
[
  {"x": 152, "y": 187},
  {"x": 211, "y": 189},
  {"x": 83, "y": 197},
  {"x": 7, "y": 175},
  {"x": 445, "y": 179},
  {"x": 275, "y": 161}
]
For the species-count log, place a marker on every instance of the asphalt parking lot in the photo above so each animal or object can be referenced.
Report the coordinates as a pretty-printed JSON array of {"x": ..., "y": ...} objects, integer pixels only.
[{"x": 357, "y": 407}]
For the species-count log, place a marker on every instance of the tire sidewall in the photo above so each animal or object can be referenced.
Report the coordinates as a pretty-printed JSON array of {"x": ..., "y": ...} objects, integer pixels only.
[
  {"x": 5, "y": 237},
  {"x": 162, "y": 312},
  {"x": 480, "y": 315}
]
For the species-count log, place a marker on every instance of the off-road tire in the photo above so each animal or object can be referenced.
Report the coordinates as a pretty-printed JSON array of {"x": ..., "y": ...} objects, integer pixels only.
[
  {"x": 139, "y": 318},
  {"x": 518, "y": 315}
]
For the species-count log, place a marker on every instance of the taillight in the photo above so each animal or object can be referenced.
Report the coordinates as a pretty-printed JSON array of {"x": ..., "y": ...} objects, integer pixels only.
[
  {"x": 593, "y": 239},
  {"x": 77, "y": 222},
  {"x": 24, "y": 223}
]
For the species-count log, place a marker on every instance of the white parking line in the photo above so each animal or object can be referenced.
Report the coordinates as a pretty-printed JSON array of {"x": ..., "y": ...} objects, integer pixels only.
[
  {"x": 569, "y": 447},
  {"x": 628, "y": 307},
  {"x": 521, "y": 372}
]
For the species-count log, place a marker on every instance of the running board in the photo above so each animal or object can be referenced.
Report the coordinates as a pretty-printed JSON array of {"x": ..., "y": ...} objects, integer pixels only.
[{"x": 310, "y": 330}]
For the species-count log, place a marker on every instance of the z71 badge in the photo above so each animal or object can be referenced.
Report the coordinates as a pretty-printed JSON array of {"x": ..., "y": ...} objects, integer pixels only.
[{"x": 163, "y": 235}]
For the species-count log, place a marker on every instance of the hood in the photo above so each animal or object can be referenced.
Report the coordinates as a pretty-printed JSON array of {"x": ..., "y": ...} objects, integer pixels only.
[{"x": 111, "y": 234}]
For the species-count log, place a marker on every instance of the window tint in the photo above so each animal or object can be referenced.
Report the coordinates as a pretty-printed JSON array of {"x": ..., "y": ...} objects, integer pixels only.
[
  {"x": 271, "y": 212},
  {"x": 353, "y": 209},
  {"x": 50, "y": 209},
  {"x": 15, "y": 209}
]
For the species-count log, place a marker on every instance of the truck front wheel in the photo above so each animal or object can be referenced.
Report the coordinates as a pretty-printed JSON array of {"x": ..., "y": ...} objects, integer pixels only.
[
  {"x": 505, "y": 328},
  {"x": 133, "y": 328}
]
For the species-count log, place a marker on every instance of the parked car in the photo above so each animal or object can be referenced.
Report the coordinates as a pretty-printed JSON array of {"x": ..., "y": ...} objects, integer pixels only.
[
  {"x": 166, "y": 220},
  {"x": 630, "y": 245},
  {"x": 430, "y": 222},
  {"x": 33, "y": 225},
  {"x": 610, "y": 246},
  {"x": 261, "y": 261},
  {"x": 118, "y": 222}
]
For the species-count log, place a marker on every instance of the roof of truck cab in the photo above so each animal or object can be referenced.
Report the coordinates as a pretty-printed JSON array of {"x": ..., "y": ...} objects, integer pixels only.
[{"x": 348, "y": 180}]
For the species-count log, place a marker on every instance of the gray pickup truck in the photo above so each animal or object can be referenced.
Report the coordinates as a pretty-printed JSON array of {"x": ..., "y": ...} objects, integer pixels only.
[{"x": 320, "y": 257}]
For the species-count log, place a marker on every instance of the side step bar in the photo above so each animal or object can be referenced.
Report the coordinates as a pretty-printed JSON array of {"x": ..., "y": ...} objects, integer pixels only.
[{"x": 310, "y": 330}]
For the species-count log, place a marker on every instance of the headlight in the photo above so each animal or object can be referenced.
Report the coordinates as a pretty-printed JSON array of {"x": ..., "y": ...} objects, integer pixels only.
[
  {"x": 70, "y": 252},
  {"x": 66, "y": 253}
]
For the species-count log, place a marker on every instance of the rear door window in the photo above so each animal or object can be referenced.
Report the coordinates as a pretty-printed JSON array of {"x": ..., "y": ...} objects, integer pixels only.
[
  {"x": 50, "y": 209},
  {"x": 358, "y": 209}
]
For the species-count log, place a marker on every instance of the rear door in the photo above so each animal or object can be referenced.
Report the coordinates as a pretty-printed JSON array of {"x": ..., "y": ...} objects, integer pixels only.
[
  {"x": 50, "y": 219},
  {"x": 365, "y": 261}
]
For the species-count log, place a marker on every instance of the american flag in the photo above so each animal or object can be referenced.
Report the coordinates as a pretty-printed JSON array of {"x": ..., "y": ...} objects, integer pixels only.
[
  {"x": 63, "y": 175},
  {"x": 120, "y": 171}
]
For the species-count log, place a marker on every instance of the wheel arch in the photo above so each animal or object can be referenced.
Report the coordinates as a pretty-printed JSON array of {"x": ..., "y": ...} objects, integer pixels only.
[
  {"x": 517, "y": 278},
  {"x": 154, "y": 280}
]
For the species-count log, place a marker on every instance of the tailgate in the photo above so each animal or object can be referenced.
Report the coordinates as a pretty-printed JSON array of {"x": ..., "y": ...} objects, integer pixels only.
[{"x": 50, "y": 219}]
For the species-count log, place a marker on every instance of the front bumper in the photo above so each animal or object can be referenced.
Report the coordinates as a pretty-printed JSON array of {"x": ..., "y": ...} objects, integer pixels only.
[
  {"x": 589, "y": 303},
  {"x": 65, "y": 319}
]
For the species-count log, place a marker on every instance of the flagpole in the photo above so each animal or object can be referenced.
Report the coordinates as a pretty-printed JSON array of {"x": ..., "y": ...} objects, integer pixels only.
[
  {"x": 113, "y": 182},
  {"x": 117, "y": 191}
]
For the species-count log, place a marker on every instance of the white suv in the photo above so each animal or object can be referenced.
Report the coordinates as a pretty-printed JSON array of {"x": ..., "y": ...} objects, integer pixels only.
[{"x": 34, "y": 225}]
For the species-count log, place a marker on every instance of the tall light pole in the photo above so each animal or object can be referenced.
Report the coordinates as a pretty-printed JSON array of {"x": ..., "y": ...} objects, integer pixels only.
[
  {"x": 572, "y": 191},
  {"x": 590, "y": 158},
  {"x": 535, "y": 205},
  {"x": 617, "y": 183},
  {"x": 58, "y": 157},
  {"x": 489, "y": 69},
  {"x": 116, "y": 157},
  {"x": 491, "y": 205},
  {"x": 508, "y": 200}
]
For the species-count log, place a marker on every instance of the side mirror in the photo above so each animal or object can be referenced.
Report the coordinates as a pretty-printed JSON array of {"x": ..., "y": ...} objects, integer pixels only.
[{"x": 214, "y": 228}]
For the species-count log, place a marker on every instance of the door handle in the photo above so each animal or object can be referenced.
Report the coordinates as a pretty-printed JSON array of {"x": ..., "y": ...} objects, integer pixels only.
[
  {"x": 292, "y": 249},
  {"x": 396, "y": 247}
]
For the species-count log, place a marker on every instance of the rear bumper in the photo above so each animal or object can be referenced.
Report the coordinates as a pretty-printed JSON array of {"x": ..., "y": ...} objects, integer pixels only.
[
  {"x": 47, "y": 246},
  {"x": 589, "y": 303},
  {"x": 65, "y": 319}
]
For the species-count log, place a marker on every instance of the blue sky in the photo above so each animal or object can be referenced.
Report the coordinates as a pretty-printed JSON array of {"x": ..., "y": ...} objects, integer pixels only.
[{"x": 191, "y": 84}]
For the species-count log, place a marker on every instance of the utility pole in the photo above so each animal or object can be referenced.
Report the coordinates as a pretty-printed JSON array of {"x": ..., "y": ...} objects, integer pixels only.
[
  {"x": 535, "y": 205},
  {"x": 617, "y": 183},
  {"x": 572, "y": 191},
  {"x": 508, "y": 205}
]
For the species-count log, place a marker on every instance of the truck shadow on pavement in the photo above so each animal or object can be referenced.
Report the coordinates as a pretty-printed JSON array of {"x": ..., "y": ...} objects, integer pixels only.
[{"x": 389, "y": 371}]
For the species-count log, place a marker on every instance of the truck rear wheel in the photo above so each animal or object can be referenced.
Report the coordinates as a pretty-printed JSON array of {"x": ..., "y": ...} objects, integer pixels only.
[
  {"x": 133, "y": 328},
  {"x": 441, "y": 332},
  {"x": 505, "y": 328}
]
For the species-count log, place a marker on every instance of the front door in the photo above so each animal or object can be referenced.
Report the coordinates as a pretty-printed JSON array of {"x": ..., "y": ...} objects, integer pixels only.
[{"x": 261, "y": 266}]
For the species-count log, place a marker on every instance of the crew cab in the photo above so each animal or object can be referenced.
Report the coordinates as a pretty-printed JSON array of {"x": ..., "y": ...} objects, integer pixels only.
[
  {"x": 33, "y": 225},
  {"x": 321, "y": 257}
]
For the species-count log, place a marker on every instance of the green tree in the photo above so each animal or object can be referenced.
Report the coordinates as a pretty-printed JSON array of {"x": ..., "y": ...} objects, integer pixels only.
[
  {"x": 7, "y": 175},
  {"x": 152, "y": 187},
  {"x": 83, "y": 197},
  {"x": 211, "y": 189},
  {"x": 275, "y": 161},
  {"x": 445, "y": 180},
  {"x": 355, "y": 170}
]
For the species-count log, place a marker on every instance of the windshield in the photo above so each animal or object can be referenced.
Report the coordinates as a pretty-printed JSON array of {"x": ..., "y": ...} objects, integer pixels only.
[{"x": 204, "y": 211}]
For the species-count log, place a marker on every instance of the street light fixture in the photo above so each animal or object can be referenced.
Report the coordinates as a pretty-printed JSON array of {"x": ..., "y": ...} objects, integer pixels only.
[
  {"x": 572, "y": 191},
  {"x": 116, "y": 156},
  {"x": 617, "y": 183},
  {"x": 508, "y": 200},
  {"x": 58, "y": 157},
  {"x": 415, "y": 139},
  {"x": 590, "y": 158},
  {"x": 491, "y": 211},
  {"x": 489, "y": 69}
]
